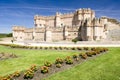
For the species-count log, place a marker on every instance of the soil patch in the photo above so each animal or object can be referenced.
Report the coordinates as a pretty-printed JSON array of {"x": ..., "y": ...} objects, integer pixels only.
[
  {"x": 4, "y": 56},
  {"x": 53, "y": 69}
]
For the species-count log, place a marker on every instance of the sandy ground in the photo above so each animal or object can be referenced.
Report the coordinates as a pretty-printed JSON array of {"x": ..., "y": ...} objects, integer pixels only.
[{"x": 65, "y": 43}]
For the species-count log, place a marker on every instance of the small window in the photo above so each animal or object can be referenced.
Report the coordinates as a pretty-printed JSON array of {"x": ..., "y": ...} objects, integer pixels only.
[
  {"x": 62, "y": 24},
  {"x": 35, "y": 24},
  {"x": 68, "y": 34},
  {"x": 75, "y": 33}
]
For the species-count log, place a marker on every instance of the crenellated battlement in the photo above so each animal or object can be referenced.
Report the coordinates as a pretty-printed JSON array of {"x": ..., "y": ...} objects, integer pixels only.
[
  {"x": 18, "y": 28},
  {"x": 29, "y": 30}
]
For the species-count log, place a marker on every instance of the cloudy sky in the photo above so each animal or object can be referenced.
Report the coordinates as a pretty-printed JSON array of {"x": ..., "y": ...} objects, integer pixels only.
[{"x": 21, "y": 12}]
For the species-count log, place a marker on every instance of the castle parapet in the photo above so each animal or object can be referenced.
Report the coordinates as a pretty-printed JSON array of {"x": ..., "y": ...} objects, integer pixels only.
[
  {"x": 18, "y": 28},
  {"x": 30, "y": 30},
  {"x": 38, "y": 30}
]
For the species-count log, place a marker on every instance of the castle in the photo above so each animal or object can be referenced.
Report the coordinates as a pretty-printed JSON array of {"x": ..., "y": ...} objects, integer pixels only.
[{"x": 81, "y": 24}]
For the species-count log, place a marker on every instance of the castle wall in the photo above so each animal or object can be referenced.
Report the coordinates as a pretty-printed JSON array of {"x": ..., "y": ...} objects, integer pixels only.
[
  {"x": 18, "y": 33},
  {"x": 50, "y": 22},
  {"x": 28, "y": 36},
  {"x": 67, "y": 21},
  {"x": 72, "y": 35},
  {"x": 89, "y": 33},
  {"x": 57, "y": 36},
  {"x": 39, "y": 36},
  {"x": 80, "y": 24}
]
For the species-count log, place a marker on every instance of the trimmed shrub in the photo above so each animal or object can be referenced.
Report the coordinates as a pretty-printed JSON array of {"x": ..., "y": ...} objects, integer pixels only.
[
  {"x": 58, "y": 65},
  {"x": 79, "y": 48},
  {"x": 58, "y": 61},
  {"x": 36, "y": 47},
  {"x": 48, "y": 64},
  {"x": 56, "y": 48},
  {"x": 29, "y": 74},
  {"x": 89, "y": 54},
  {"x": 84, "y": 56},
  {"x": 45, "y": 48},
  {"x": 94, "y": 52},
  {"x": 74, "y": 40},
  {"x": 60, "y": 48},
  {"x": 69, "y": 60},
  {"x": 73, "y": 48},
  {"x": 33, "y": 68},
  {"x": 9, "y": 77},
  {"x": 41, "y": 47},
  {"x": 86, "y": 48},
  {"x": 50, "y": 47},
  {"x": 44, "y": 69},
  {"x": 16, "y": 74},
  {"x": 75, "y": 56}
]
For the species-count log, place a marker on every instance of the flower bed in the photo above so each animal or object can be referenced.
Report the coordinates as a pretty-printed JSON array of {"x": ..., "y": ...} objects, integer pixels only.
[{"x": 37, "y": 73}]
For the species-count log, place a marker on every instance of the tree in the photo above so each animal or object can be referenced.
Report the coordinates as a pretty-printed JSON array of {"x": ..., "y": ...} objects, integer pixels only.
[
  {"x": 74, "y": 40},
  {"x": 9, "y": 35}
]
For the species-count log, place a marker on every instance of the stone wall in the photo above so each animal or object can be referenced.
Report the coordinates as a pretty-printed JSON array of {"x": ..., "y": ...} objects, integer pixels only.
[
  {"x": 80, "y": 24},
  {"x": 67, "y": 19}
]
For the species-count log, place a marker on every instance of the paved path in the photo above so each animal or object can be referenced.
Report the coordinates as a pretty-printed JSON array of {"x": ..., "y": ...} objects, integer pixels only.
[{"x": 69, "y": 44}]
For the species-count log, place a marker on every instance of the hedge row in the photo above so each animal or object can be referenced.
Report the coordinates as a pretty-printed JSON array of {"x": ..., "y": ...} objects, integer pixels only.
[{"x": 45, "y": 48}]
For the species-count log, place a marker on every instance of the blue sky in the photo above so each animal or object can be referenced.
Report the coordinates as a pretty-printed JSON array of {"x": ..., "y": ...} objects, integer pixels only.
[{"x": 21, "y": 12}]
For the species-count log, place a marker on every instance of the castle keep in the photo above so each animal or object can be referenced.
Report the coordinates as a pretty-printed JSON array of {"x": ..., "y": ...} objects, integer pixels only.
[{"x": 81, "y": 25}]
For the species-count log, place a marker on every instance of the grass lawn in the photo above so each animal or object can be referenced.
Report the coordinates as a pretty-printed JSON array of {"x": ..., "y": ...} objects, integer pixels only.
[
  {"x": 28, "y": 57},
  {"x": 104, "y": 67}
]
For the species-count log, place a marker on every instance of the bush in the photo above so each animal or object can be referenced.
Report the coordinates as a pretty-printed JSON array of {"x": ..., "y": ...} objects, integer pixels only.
[
  {"x": 75, "y": 56},
  {"x": 33, "y": 68},
  {"x": 73, "y": 48},
  {"x": 16, "y": 74},
  {"x": 44, "y": 69},
  {"x": 28, "y": 74},
  {"x": 36, "y": 47},
  {"x": 89, "y": 54},
  {"x": 79, "y": 48},
  {"x": 50, "y": 47},
  {"x": 86, "y": 48},
  {"x": 74, "y": 40},
  {"x": 94, "y": 52},
  {"x": 48, "y": 64},
  {"x": 84, "y": 56},
  {"x": 58, "y": 61},
  {"x": 45, "y": 48},
  {"x": 93, "y": 49},
  {"x": 69, "y": 60},
  {"x": 9, "y": 77},
  {"x": 60, "y": 48},
  {"x": 9, "y": 35},
  {"x": 41, "y": 47},
  {"x": 58, "y": 65},
  {"x": 55, "y": 48}
]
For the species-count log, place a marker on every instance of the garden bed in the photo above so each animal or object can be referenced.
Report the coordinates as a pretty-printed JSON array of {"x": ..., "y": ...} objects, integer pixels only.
[{"x": 37, "y": 73}]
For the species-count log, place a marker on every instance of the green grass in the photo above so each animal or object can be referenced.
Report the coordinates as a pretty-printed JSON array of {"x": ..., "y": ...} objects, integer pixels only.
[
  {"x": 28, "y": 57},
  {"x": 104, "y": 67}
]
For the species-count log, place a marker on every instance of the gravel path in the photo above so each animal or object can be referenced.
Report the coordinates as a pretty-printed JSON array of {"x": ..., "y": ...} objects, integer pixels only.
[{"x": 68, "y": 44}]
